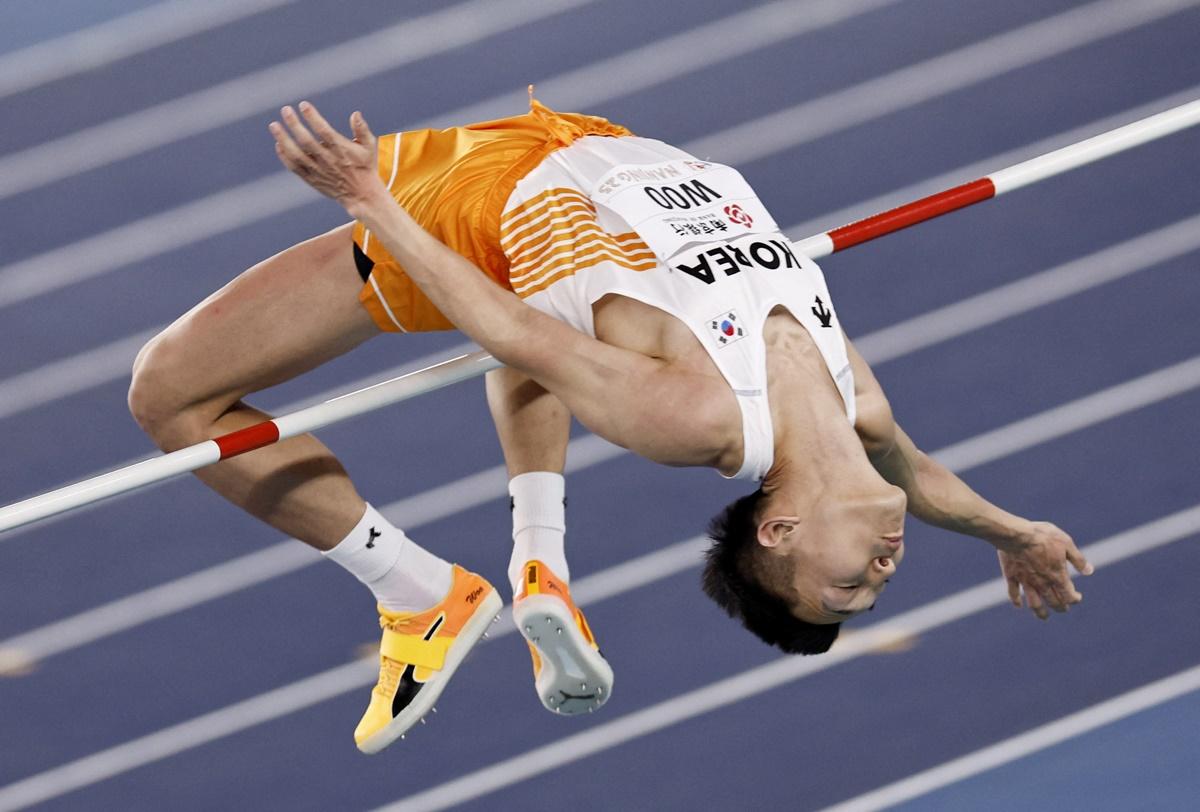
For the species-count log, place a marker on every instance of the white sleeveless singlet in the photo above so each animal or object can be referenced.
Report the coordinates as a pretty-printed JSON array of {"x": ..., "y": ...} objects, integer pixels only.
[{"x": 639, "y": 218}]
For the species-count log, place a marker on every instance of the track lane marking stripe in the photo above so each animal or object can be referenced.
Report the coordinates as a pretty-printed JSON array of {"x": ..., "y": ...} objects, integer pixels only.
[
  {"x": 119, "y": 38},
  {"x": 1024, "y": 744}
]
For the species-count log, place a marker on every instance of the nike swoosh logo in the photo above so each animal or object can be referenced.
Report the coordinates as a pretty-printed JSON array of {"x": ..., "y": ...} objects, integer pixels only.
[{"x": 408, "y": 687}]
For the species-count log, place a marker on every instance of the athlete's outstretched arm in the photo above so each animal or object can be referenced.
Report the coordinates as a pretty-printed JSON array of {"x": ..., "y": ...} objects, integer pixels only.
[
  {"x": 627, "y": 398},
  {"x": 1033, "y": 555}
]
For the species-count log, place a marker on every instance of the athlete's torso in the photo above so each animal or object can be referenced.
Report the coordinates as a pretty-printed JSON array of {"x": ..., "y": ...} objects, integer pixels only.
[
  {"x": 646, "y": 248},
  {"x": 633, "y": 325}
]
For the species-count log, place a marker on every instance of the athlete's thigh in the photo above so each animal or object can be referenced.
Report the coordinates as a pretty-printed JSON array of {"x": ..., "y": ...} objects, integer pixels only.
[{"x": 284, "y": 316}]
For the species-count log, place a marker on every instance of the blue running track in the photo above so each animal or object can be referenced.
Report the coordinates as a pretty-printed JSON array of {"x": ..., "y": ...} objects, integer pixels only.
[{"x": 238, "y": 688}]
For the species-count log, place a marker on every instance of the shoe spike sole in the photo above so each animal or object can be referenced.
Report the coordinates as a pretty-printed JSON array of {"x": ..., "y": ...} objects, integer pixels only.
[{"x": 566, "y": 658}]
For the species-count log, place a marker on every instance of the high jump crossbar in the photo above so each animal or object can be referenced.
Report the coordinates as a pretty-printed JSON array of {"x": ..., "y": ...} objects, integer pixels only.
[{"x": 474, "y": 364}]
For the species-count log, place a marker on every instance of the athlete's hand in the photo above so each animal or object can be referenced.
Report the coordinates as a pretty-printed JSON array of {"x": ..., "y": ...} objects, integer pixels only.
[
  {"x": 326, "y": 160},
  {"x": 1034, "y": 562}
]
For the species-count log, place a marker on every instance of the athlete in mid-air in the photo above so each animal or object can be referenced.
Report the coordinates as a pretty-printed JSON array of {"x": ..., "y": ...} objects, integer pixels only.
[{"x": 621, "y": 280}]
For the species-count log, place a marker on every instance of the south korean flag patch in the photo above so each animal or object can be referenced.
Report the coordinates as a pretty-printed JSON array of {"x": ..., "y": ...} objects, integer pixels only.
[{"x": 726, "y": 328}]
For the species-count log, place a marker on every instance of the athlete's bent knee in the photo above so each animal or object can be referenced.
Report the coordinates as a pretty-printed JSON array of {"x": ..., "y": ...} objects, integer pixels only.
[{"x": 157, "y": 398}]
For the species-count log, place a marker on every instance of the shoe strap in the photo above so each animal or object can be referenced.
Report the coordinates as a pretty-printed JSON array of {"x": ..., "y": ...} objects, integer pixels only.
[{"x": 412, "y": 649}]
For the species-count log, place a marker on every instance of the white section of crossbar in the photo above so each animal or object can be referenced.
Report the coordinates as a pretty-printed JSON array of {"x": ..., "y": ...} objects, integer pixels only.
[
  {"x": 196, "y": 456},
  {"x": 1097, "y": 147}
]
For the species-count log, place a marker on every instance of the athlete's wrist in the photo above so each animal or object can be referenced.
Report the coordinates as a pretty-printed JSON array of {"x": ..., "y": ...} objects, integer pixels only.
[
  {"x": 1004, "y": 531},
  {"x": 372, "y": 206}
]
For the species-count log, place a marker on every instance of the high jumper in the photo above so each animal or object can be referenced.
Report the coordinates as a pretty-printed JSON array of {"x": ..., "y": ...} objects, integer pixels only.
[
  {"x": 619, "y": 280},
  {"x": 616, "y": 278}
]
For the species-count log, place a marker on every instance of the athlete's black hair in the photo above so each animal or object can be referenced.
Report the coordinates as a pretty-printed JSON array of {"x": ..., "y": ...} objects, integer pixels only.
[{"x": 732, "y": 578}]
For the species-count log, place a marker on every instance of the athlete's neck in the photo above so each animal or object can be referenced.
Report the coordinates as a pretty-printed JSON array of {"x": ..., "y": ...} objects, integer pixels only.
[{"x": 816, "y": 447}]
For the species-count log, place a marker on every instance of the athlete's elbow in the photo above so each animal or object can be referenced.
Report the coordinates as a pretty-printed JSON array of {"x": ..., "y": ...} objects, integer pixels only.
[{"x": 512, "y": 337}]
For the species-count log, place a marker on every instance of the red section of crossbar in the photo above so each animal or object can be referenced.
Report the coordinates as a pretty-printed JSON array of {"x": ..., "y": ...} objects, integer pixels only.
[
  {"x": 247, "y": 439},
  {"x": 912, "y": 213}
]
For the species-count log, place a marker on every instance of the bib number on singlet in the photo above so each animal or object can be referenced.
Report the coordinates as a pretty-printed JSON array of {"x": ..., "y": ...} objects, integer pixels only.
[{"x": 676, "y": 204}]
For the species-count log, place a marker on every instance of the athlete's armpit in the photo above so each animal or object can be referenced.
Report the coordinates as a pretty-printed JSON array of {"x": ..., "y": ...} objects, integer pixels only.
[
  {"x": 670, "y": 416},
  {"x": 874, "y": 421}
]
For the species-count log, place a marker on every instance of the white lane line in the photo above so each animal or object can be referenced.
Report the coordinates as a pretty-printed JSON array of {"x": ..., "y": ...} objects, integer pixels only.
[
  {"x": 934, "y": 77},
  {"x": 1032, "y": 741},
  {"x": 758, "y": 680},
  {"x": 358, "y": 59},
  {"x": 672, "y": 57},
  {"x": 257, "y": 200},
  {"x": 606, "y": 583},
  {"x": 181, "y": 737},
  {"x": 1028, "y": 293},
  {"x": 112, "y": 361},
  {"x": 70, "y": 375},
  {"x": 385, "y": 49},
  {"x": 120, "y": 38},
  {"x": 104, "y": 364},
  {"x": 152, "y": 236},
  {"x": 976, "y": 169},
  {"x": 24, "y": 650},
  {"x": 1078, "y": 414}
]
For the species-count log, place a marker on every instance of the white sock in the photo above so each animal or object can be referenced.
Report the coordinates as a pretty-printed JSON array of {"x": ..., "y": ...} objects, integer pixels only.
[
  {"x": 402, "y": 575},
  {"x": 539, "y": 524}
]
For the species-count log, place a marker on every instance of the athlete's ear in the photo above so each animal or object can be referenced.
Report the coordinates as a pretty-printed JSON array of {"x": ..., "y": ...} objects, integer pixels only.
[{"x": 774, "y": 530}]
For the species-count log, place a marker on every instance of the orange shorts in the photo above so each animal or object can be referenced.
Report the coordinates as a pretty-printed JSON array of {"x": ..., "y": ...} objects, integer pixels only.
[{"x": 455, "y": 183}]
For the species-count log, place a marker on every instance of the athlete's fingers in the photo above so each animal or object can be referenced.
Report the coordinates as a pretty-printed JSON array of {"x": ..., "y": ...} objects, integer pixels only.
[
  {"x": 1053, "y": 592},
  {"x": 328, "y": 135},
  {"x": 303, "y": 138},
  {"x": 360, "y": 128},
  {"x": 1055, "y": 598},
  {"x": 1014, "y": 591},
  {"x": 1078, "y": 561},
  {"x": 1071, "y": 595},
  {"x": 1035, "y": 603},
  {"x": 294, "y": 156},
  {"x": 289, "y": 153}
]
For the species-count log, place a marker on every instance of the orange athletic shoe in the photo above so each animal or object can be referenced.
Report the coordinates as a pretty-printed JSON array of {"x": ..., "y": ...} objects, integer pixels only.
[
  {"x": 418, "y": 655},
  {"x": 570, "y": 674}
]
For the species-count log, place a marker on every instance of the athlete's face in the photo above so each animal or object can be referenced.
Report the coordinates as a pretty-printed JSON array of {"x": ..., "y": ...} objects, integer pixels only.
[{"x": 843, "y": 559}]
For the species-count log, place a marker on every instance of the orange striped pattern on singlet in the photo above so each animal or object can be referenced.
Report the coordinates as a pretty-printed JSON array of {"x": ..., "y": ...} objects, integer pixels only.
[
  {"x": 455, "y": 184},
  {"x": 555, "y": 234}
]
